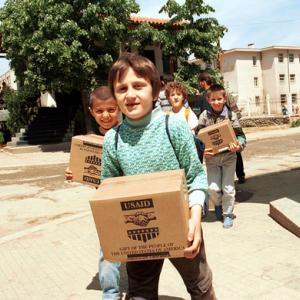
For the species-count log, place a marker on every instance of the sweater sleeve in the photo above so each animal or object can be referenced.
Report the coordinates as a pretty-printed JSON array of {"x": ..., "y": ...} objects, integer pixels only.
[
  {"x": 185, "y": 148},
  {"x": 110, "y": 166}
]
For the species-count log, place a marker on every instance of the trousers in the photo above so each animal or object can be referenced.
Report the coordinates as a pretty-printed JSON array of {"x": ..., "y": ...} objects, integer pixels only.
[{"x": 143, "y": 277}]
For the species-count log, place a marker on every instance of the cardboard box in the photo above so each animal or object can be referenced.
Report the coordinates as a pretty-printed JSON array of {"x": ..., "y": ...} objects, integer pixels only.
[
  {"x": 142, "y": 217},
  {"x": 218, "y": 136},
  {"x": 85, "y": 158}
]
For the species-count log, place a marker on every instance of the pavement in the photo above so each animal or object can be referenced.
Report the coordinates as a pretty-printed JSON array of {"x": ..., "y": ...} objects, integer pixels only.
[{"x": 255, "y": 259}]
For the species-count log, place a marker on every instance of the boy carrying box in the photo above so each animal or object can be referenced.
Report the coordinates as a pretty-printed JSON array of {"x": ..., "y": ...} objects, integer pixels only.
[
  {"x": 141, "y": 145},
  {"x": 104, "y": 108},
  {"x": 221, "y": 166}
]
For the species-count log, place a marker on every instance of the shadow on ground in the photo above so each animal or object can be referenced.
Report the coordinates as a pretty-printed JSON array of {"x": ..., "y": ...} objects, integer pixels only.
[{"x": 266, "y": 188}]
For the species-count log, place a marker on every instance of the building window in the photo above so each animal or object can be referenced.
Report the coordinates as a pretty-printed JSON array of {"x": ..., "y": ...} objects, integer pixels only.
[
  {"x": 280, "y": 57},
  {"x": 257, "y": 100},
  {"x": 283, "y": 98},
  {"x": 294, "y": 98},
  {"x": 254, "y": 60},
  {"x": 256, "y": 81},
  {"x": 292, "y": 77},
  {"x": 281, "y": 77},
  {"x": 291, "y": 57}
]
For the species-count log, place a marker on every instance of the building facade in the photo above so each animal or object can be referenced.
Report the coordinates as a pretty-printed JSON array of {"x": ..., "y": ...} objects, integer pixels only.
[{"x": 265, "y": 81}]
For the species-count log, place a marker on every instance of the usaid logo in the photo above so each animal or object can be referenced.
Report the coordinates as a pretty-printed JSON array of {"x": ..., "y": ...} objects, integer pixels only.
[{"x": 137, "y": 204}]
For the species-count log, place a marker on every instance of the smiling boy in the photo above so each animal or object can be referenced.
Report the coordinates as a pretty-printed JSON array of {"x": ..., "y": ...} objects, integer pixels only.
[
  {"x": 221, "y": 166},
  {"x": 143, "y": 147}
]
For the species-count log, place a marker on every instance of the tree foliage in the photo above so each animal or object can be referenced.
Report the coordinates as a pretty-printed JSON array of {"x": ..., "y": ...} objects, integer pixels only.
[{"x": 66, "y": 45}]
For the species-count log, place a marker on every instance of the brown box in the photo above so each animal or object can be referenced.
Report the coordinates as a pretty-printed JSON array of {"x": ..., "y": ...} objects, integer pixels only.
[
  {"x": 142, "y": 217},
  {"x": 218, "y": 136},
  {"x": 85, "y": 158}
]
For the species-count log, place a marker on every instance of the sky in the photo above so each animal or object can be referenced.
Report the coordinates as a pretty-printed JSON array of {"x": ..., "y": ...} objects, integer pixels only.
[{"x": 264, "y": 23}]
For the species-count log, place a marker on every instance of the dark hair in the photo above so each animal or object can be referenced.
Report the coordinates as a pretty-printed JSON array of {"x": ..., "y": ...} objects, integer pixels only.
[
  {"x": 204, "y": 76},
  {"x": 102, "y": 93},
  {"x": 141, "y": 65},
  {"x": 216, "y": 88},
  {"x": 175, "y": 85}
]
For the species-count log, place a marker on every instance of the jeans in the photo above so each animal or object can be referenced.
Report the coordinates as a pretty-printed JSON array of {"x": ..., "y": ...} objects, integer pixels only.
[
  {"x": 109, "y": 278},
  {"x": 143, "y": 277},
  {"x": 220, "y": 176}
]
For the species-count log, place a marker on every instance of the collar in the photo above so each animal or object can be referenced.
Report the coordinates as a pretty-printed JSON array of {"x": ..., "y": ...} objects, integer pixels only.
[
  {"x": 223, "y": 113},
  {"x": 154, "y": 114}
]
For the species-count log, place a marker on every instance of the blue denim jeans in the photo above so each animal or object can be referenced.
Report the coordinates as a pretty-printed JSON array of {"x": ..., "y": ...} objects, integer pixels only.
[{"x": 109, "y": 278}]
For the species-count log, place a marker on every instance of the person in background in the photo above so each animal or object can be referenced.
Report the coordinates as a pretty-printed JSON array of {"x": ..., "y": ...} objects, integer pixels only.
[
  {"x": 162, "y": 101},
  {"x": 104, "y": 109},
  {"x": 221, "y": 166},
  {"x": 205, "y": 81}
]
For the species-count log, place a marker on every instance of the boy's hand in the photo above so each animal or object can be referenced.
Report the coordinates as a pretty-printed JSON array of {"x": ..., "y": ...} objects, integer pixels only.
[
  {"x": 68, "y": 174},
  {"x": 234, "y": 147},
  {"x": 194, "y": 234},
  {"x": 208, "y": 153}
]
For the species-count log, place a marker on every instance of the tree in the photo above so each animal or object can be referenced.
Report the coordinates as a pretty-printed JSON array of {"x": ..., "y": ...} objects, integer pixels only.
[
  {"x": 198, "y": 36},
  {"x": 66, "y": 45}
]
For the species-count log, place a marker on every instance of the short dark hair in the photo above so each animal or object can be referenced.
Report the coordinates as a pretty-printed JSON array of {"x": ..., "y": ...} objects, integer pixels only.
[
  {"x": 204, "y": 76},
  {"x": 177, "y": 86},
  {"x": 141, "y": 65},
  {"x": 102, "y": 93},
  {"x": 216, "y": 88}
]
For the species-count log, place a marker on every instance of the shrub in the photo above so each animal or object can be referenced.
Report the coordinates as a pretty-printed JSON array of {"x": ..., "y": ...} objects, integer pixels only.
[
  {"x": 20, "y": 105},
  {"x": 296, "y": 123}
]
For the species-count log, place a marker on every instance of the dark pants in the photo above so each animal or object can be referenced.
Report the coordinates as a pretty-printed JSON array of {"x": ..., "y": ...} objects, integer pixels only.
[
  {"x": 143, "y": 277},
  {"x": 239, "y": 169}
]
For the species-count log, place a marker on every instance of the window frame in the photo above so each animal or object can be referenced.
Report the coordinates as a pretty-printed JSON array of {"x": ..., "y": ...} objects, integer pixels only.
[{"x": 280, "y": 57}]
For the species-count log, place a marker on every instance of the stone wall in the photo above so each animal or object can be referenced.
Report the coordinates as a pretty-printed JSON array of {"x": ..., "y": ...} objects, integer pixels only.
[{"x": 265, "y": 121}]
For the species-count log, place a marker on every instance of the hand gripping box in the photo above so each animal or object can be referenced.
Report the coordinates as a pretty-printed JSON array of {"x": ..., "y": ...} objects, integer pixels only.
[
  {"x": 142, "y": 217},
  {"x": 85, "y": 158},
  {"x": 218, "y": 136}
]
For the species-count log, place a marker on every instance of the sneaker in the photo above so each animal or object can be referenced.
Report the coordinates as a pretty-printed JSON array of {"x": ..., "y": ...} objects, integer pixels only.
[
  {"x": 219, "y": 212},
  {"x": 242, "y": 180},
  {"x": 204, "y": 210},
  {"x": 228, "y": 222}
]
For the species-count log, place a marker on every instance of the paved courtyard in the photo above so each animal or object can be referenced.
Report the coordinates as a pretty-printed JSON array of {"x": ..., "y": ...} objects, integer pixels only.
[{"x": 49, "y": 247}]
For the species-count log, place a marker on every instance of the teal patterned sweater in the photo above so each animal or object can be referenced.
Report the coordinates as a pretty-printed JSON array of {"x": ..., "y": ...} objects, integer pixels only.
[{"x": 143, "y": 147}]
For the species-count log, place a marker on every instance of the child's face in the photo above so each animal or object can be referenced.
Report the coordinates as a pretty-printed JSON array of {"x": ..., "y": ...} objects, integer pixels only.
[
  {"x": 217, "y": 100},
  {"x": 134, "y": 95},
  {"x": 176, "y": 99},
  {"x": 105, "y": 112}
]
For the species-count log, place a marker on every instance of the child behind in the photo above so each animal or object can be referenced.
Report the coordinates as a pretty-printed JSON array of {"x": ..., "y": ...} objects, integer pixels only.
[
  {"x": 221, "y": 166},
  {"x": 176, "y": 94},
  {"x": 143, "y": 147},
  {"x": 104, "y": 109}
]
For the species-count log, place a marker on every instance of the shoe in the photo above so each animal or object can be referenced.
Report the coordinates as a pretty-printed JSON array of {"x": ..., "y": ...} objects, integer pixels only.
[
  {"x": 219, "y": 212},
  {"x": 204, "y": 210},
  {"x": 242, "y": 179},
  {"x": 228, "y": 222}
]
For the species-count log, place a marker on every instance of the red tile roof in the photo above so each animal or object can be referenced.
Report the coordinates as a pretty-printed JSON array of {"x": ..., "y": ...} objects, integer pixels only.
[{"x": 154, "y": 21}]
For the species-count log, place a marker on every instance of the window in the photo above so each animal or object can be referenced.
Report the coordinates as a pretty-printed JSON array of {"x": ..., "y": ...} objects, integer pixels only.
[
  {"x": 257, "y": 100},
  {"x": 292, "y": 77},
  {"x": 294, "y": 97},
  {"x": 283, "y": 98},
  {"x": 255, "y": 81},
  {"x": 254, "y": 60},
  {"x": 281, "y": 77},
  {"x": 291, "y": 57},
  {"x": 280, "y": 57}
]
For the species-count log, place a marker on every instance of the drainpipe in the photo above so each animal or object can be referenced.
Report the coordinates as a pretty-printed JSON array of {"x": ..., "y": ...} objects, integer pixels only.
[{"x": 289, "y": 96}]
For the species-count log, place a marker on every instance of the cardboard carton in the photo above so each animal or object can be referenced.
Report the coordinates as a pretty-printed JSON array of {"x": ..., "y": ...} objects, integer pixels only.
[
  {"x": 85, "y": 158},
  {"x": 142, "y": 217},
  {"x": 218, "y": 136}
]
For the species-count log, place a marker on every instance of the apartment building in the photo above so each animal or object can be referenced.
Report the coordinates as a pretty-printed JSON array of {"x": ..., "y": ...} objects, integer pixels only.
[{"x": 263, "y": 79}]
